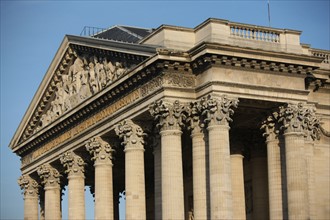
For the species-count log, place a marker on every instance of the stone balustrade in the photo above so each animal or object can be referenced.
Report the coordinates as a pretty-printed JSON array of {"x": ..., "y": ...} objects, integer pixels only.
[{"x": 255, "y": 33}]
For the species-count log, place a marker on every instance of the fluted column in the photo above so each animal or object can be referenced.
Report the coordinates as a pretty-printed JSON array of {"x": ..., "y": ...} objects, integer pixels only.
[
  {"x": 101, "y": 153},
  {"x": 217, "y": 112},
  {"x": 132, "y": 136},
  {"x": 30, "y": 191},
  {"x": 271, "y": 129},
  {"x": 198, "y": 160},
  {"x": 51, "y": 180},
  {"x": 74, "y": 167},
  {"x": 169, "y": 119},
  {"x": 157, "y": 177},
  {"x": 294, "y": 117}
]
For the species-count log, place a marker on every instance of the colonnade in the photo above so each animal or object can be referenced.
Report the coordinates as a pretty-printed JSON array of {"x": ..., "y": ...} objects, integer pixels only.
[{"x": 208, "y": 120}]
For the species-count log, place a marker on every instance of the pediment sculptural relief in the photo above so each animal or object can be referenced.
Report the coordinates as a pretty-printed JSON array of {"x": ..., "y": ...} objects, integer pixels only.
[{"x": 86, "y": 76}]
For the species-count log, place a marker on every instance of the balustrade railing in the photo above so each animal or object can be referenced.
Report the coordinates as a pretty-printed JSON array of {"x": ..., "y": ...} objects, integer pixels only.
[
  {"x": 255, "y": 33},
  {"x": 322, "y": 54}
]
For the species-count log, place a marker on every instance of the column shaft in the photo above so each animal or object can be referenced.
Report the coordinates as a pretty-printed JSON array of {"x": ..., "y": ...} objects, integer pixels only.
[
  {"x": 237, "y": 179},
  {"x": 135, "y": 184},
  {"x": 30, "y": 207},
  {"x": 199, "y": 174},
  {"x": 296, "y": 176},
  {"x": 172, "y": 176},
  {"x": 103, "y": 191},
  {"x": 53, "y": 202},
  {"x": 274, "y": 180},
  {"x": 158, "y": 182},
  {"x": 260, "y": 188},
  {"x": 311, "y": 179},
  {"x": 76, "y": 197},
  {"x": 220, "y": 172}
]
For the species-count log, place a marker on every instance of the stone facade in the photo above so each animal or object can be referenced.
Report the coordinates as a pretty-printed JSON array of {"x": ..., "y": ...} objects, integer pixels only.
[{"x": 221, "y": 121}]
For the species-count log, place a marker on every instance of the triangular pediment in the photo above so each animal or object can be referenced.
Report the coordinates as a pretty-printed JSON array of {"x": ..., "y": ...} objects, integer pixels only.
[{"x": 81, "y": 68}]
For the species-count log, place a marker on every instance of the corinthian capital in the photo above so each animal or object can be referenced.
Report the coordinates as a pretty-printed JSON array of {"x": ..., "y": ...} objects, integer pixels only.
[
  {"x": 73, "y": 164},
  {"x": 49, "y": 175},
  {"x": 218, "y": 110},
  {"x": 299, "y": 118},
  {"x": 169, "y": 116},
  {"x": 100, "y": 150},
  {"x": 29, "y": 185},
  {"x": 271, "y": 127},
  {"x": 131, "y": 133},
  {"x": 194, "y": 117},
  {"x": 311, "y": 124}
]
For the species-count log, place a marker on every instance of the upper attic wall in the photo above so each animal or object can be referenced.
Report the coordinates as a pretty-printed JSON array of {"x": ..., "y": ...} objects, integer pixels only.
[{"x": 226, "y": 32}]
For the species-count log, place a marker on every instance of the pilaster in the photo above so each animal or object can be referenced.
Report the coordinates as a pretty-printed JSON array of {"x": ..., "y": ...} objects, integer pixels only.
[
  {"x": 132, "y": 136},
  {"x": 101, "y": 153},
  {"x": 51, "y": 181},
  {"x": 30, "y": 192},
  {"x": 74, "y": 167}
]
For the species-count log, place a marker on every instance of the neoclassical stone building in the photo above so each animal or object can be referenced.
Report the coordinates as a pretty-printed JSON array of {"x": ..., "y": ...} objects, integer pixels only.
[{"x": 221, "y": 121}]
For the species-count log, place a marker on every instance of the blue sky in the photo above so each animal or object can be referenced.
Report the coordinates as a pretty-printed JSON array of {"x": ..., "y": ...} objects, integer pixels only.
[{"x": 31, "y": 32}]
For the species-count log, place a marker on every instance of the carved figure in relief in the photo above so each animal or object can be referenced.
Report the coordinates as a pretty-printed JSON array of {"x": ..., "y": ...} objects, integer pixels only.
[
  {"x": 99, "y": 69},
  {"x": 110, "y": 71},
  {"x": 120, "y": 70},
  {"x": 84, "y": 91},
  {"x": 78, "y": 66},
  {"x": 86, "y": 76},
  {"x": 92, "y": 78}
]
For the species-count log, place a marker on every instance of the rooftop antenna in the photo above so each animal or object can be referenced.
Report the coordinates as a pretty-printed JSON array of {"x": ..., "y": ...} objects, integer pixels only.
[{"x": 268, "y": 13}]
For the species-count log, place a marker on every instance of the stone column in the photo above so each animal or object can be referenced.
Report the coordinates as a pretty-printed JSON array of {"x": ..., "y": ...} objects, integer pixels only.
[
  {"x": 199, "y": 161},
  {"x": 237, "y": 180},
  {"x": 30, "y": 191},
  {"x": 101, "y": 153},
  {"x": 157, "y": 177},
  {"x": 51, "y": 180},
  {"x": 132, "y": 136},
  {"x": 42, "y": 204},
  {"x": 217, "y": 113},
  {"x": 74, "y": 167},
  {"x": 271, "y": 129},
  {"x": 169, "y": 118},
  {"x": 259, "y": 181},
  {"x": 293, "y": 117},
  {"x": 312, "y": 133}
]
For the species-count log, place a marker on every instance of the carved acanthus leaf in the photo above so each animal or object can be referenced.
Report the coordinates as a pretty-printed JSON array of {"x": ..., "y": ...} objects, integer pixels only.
[
  {"x": 131, "y": 133},
  {"x": 72, "y": 163},
  {"x": 311, "y": 125},
  {"x": 99, "y": 149},
  {"x": 29, "y": 185},
  {"x": 218, "y": 110},
  {"x": 300, "y": 118},
  {"x": 194, "y": 118},
  {"x": 49, "y": 175},
  {"x": 168, "y": 115},
  {"x": 271, "y": 127}
]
